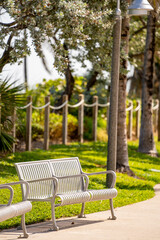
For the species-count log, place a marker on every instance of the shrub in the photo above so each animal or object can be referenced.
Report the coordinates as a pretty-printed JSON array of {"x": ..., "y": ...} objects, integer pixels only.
[
  {"x": 88, "y": 122},
  {"x": 37, "y": 131},
  {"x": 56, "y": 126},
  {"x": 102, "y": 135}
]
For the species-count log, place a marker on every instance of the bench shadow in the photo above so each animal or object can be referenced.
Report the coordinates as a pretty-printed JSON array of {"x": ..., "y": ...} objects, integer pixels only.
[
  {"x": 62, "y": 224},
  {"x": 45, "y": 227}
]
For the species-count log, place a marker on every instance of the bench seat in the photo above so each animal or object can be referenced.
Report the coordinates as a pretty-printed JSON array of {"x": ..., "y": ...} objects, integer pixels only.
[
  {"x": 10, "y": 210},
  {"x": 14, "y": 210}
]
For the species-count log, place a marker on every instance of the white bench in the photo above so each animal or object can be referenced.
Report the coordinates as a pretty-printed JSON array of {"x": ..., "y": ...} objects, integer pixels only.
[
  {"x": 63, "y": 179},
  {"x": 10, "y": 210}
]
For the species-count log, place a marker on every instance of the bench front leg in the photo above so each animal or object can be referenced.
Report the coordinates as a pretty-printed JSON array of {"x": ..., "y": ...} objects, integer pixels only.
[
  {"x": 26, "y": 235},
  {"x": 55, "y": 227},
  {"x": 112, "y": 210}
]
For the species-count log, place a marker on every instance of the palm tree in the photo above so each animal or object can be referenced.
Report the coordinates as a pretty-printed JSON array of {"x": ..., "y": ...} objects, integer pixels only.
[
  {"x": 146, "y": 141},
  {"x": 10, "y": 97}
]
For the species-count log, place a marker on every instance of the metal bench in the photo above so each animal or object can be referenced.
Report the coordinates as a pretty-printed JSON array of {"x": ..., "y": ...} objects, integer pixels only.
[
  {"x": 62, "y": 179},
  {"x": 10, "y": 210}
]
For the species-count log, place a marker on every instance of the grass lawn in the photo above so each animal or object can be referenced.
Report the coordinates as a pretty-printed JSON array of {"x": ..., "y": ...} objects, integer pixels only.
[{"x": 93, "y": 158}]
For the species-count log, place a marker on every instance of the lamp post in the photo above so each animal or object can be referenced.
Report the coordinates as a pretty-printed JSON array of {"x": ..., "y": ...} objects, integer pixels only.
[
  {"x": 112, "y": 130},
  {"x": 138, "y": 7}
]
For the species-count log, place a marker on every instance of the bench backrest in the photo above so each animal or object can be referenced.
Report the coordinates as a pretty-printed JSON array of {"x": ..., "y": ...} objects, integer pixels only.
[
  {"x": 49, "y": 168},
  {"x": 67, "y": 167},
  {"x": 36, "y": 170}
]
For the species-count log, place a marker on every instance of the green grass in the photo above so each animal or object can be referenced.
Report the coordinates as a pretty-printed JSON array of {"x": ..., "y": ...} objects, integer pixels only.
[{"x": 93, "y": 158}]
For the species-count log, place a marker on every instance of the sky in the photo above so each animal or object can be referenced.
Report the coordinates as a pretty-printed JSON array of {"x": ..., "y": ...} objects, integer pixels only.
[{"x": 36, "y": 71}]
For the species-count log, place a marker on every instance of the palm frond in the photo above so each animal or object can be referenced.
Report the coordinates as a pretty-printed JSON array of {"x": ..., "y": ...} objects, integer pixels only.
[
  {"x": 11, "y": 96},
  {"x": 6, "y": 142}
]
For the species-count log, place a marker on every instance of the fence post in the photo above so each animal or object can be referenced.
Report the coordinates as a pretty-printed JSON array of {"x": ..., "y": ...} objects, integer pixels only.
[
  {"x": 137, "y": 119},
  {"x": 95, "y": 114},
  {"x": 46, "y": 123},
  {"x": 80, "y": 118},
  {"x": 130, "y": 121},
  {"x": 29, "y": 124},
  {"x": 65, "y": 113},
  {"x": 14, "y": 129}
]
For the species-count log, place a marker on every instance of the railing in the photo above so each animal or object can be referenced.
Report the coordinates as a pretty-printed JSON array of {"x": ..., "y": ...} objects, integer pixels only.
[{"x": 80, "y": 105}]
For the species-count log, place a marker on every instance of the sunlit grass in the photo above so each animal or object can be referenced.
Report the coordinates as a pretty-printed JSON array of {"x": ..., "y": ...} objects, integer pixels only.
[{"x": 93, "y": 157}]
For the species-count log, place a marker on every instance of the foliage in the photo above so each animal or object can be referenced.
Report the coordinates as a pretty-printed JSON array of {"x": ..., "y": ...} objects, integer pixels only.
[
  {"x": 93, "y": 158},
  {"x": 56, "y": 87},
  {"x": 82, "y": 25},
  {"x": 52, "y": 21},
  {"x": 56, "y": 126},
  {"x": 6, "y": 142},
  {"x": 88, "y": 123},
  {"x": 102, "y": 134},
  {"x": 10, "y": 98}
]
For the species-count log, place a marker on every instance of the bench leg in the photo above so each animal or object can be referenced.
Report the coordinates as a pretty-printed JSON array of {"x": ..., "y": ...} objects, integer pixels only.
[
  {"x": 112, "y": 209},
  {"x": 23, "y": 225},
  {"x": 55, "y": 227},
  {"x": 81, "y": 215}
]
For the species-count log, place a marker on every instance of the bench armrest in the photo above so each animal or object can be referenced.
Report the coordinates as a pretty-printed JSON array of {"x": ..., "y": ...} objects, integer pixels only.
[
  {"x": 105, "y": 172},
  {"x": 78, "y": 175},
  {"x": 8, "y": 185},
  {"x": 11, "y": 193}
]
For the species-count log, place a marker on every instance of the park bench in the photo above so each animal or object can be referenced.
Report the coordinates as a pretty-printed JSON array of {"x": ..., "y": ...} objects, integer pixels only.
[
  {"x": 10, "y": 210},
  {"x": 62, "y": 179}
]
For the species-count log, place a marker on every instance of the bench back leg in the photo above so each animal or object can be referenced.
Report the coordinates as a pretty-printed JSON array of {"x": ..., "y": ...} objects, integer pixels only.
[
  {"x": 81, "y": 215},
  {"x": 55, "y": 227},
  {"x": 112, "y": 209}
]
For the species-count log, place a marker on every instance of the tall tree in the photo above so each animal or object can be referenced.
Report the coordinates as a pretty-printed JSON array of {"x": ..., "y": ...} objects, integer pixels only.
[
  {"x": 122, "y": 146},
  {"x": 146, "y": 141}
]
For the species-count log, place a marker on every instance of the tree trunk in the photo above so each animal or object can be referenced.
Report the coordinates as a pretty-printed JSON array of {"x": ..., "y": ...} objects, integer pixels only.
[
  {"x": 69, "y": 82},
  {"x": 5, "y": 58},
  {"x": 122, "y": 148},
  {"x": 92, "y": 80},
  {"x": 146, "y": 142},
  {"x": 25, "y": 66},
  {"x": 69, "y": 87}
]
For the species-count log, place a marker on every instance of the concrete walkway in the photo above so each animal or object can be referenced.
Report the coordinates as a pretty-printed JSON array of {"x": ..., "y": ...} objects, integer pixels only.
[{"x": 140, "y": 221}]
